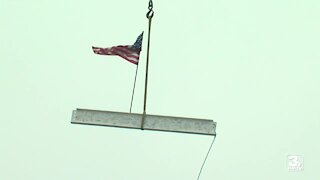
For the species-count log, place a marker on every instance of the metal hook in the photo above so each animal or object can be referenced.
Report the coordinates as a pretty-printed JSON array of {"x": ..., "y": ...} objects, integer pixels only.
[
  {"x": 150, "y": 7},
  {"x": 150, "y": 14}
]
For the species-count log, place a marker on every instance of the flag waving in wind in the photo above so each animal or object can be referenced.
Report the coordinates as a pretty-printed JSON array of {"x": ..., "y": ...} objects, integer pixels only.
[{"x": 130, "y": 53}]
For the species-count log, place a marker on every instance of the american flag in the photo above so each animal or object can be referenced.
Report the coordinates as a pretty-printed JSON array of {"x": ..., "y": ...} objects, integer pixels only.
[{"x": 130, "y": 53}]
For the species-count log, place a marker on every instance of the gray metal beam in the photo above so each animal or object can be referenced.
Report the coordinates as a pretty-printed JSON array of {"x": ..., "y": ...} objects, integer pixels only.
[{"x": 152, "y": 122}]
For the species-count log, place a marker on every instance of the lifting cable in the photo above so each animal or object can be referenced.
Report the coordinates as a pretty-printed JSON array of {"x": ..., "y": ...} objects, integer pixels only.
[{"x": 149, "y": 16}]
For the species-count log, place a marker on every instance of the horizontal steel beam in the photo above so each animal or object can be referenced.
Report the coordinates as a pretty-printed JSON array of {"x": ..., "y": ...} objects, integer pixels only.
[{"x": 151, "y": 122}]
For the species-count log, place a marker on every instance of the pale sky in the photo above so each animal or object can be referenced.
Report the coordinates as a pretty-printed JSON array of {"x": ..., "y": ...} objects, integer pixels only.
[{"x": 251, "y": 66}]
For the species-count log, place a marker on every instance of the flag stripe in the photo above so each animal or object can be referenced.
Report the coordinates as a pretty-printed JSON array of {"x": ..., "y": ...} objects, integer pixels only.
[
  {"x": 130, "y": 53},
  {"x": 124, "y": 51},
  {"x": 114, "y": 51}
]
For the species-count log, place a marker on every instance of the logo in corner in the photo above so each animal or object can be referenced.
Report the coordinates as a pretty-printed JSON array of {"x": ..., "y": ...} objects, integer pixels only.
[{"x": 295, "y": 163}]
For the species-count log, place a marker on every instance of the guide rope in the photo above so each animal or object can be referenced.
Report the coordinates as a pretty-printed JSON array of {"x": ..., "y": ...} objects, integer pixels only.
[
  {"x": 149, "y": 16},
  {"x": 206, "y": 156}
]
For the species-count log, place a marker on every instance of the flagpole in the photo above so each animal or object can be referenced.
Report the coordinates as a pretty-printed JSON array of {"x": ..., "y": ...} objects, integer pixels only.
[
  {"x": 149, "y": 16},
  {"x": 134, "y": 86}
]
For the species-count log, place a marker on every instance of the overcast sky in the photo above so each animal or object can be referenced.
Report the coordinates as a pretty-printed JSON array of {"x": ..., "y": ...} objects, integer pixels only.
[{"x": 251, "y": 66}]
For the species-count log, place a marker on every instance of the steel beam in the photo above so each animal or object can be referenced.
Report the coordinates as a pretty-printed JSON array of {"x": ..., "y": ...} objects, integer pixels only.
[{"x": 151, "y": 122}]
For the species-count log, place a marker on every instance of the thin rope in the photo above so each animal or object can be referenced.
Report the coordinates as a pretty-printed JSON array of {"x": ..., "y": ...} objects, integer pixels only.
[
  {"x": 206, "y": 157},
  {"x": 134, "y": 86}
]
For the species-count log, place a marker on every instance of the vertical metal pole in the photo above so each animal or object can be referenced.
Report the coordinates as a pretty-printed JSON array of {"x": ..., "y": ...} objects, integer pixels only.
[
  {"x": 134, "y": 86},
  {"x": 146, "y": 79}
]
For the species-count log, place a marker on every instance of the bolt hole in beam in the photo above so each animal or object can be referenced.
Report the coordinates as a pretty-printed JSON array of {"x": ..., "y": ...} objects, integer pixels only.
[{"x": 151, "y": 122}]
